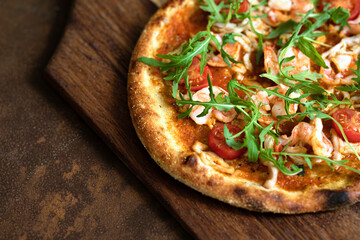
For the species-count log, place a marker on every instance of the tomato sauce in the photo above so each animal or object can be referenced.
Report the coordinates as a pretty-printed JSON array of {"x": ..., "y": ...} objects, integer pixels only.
[
  {"x": 181, "y": 27},
  {"x": 297, "y": 182},
  {"x": 221, "y": 76},
  {"x": 251, "y": 171}
]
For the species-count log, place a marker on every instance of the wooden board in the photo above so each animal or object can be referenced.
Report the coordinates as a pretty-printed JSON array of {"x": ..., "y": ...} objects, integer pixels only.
[{"x": 90, "y": 68}]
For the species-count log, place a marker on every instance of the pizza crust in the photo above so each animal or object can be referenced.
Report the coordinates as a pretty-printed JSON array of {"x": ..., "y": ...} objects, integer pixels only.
[{"x": 154, "y": 121}]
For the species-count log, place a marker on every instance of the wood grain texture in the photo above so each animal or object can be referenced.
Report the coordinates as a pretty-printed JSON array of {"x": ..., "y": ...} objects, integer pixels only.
[{"x": 90, "y": 70}]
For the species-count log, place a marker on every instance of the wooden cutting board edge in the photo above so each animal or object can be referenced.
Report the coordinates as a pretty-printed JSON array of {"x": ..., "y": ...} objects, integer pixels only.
[
  {"x": 53, "y": 80},
  {"x": 119, "y": 154}
]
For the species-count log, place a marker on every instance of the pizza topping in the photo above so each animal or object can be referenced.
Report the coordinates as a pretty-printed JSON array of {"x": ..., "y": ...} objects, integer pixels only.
[
  {"x": 350, "y": 123},
  {"x": 269, "y": 143},
  {"x": 233, "y": 49},
  {"x": 299, "y": 63},
  {"x": 353, "y": 6},
  {"x": 203, "y": 95},
  {"x": 211, "y": 158},
  {"x": 311, "y": 134},
  {"x": 197, "y": 80},
  {"x": 280, "y": 68},
  {"x": 285, "y": 10},
  {"x": 354, "y": 10},
  {"x": 243, "y": 7},
  {"x": 342, "y": 56},
  {"x": 282, "y": 5},
  {"x": 273, "y": 175},
  {"x": 272, "y": 106},
  {"x": 341, "y": 148},
  {"x": 217, "y": 142}
]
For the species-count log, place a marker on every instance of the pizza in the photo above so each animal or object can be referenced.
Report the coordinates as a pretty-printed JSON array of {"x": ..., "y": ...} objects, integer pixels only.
[{"x": 254, "y": 103}]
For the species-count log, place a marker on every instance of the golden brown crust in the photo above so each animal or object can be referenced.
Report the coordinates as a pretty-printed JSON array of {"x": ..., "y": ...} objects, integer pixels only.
[{"x": 154, "y": 121}]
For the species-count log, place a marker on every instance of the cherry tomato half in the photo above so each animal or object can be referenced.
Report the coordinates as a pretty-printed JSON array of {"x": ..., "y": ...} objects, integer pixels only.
[
  {"x": 350, "y": 122},
  {"x": 197, "y": 81},
  {"x": 352, "y": 5},
  {"x": 218, "y": 144},
  {"x": 244, "y": 6},
  {"x": 355, "y": 10}
]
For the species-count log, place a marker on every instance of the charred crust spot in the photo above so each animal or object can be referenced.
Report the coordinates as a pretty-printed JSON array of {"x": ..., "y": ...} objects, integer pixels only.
[
  {"x": 191, "y": 161},
  {"x": 133, "y": 63},
  {"x": 175, "y": 2},
  {"x": 211, "y": 182},
  {"x": 240, "y": 191},
  {"x": 335, "y": 199},
  {"x": 158, "y": 20},
  {"x": 277, "y": 197}
]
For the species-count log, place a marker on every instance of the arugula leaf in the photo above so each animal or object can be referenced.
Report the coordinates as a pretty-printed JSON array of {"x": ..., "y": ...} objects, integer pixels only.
[
  {"x": 340, "y": 16},
  {"x": 349, "y": 88},
  {"x": 230, "y": 141},
  {"x": 264, "y": 132},
  {"x": 230, "y": 38},
  {"x": 267, "y": 155},
  {"x": 259, "y": 52},
  {"x": 283, "y": 28},
  {"x": 313, "y": 76},
  {"x": 252, "y": 144},
  {"x": 215, "y": 10},
  {"x": 309, "y": 50}
]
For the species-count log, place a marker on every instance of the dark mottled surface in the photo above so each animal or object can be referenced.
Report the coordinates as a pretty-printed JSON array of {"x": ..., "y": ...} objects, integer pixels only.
[{"x": 57, "y": 178}]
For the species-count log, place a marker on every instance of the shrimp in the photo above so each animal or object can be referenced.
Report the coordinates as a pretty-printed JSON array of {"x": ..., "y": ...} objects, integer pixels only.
[
  {"x": 341, "y": 147},
  {"x": 330, "y": 77},
  {"x": 233, "y": 49},
  {"x": 271, "y": 60},
  {"x": 261, "y": 99},
  {"x": 203, "y": 95},
  {"x": 300, "y": 63},
  {"x": 355, "y": 26},
  {"x": 278, "y": 107},
  {"x": 343, "y": 56},
  {"x": 282, "y": 5},
  {"x": 283, "y": 10},
  {"x": 312, "y": 134},
  {"x": 274, "y": 104}
]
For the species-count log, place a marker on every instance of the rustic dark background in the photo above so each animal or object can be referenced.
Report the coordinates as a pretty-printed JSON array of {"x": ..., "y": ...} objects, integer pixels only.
[{"x": 57, "y": 178}]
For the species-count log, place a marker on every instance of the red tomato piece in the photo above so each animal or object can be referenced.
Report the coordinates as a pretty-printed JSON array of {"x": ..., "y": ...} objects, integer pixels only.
[
  {"x": 218, "y": 144},
  {"x": 350, "y": 122},
  {"x": 355, "y": 10},
  {"x": 352, "y": 5},
  {"x": 244, "y": 6},
  {"x": 197, "y": 81}
]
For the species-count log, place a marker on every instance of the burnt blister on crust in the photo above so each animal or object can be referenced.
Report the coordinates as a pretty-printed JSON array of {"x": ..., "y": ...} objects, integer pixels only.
[
  {"x": 211, "y": 182},
  {"x": 335, "y": 199},
  {"x": 175, "y": 2},
  {"x": 240, "y": 191},
  {"x": 158, "y": 20},
  {"x": 191, "y": 160}
]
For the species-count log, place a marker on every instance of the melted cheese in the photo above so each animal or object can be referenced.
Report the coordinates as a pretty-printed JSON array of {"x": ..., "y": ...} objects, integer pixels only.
[
  {"x": 211, "y": 159},
  {"x": 273, "y": 175}
]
